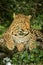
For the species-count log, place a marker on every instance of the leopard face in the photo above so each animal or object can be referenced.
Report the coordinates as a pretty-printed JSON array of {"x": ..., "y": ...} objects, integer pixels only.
[{"x": 21, "y": 28}]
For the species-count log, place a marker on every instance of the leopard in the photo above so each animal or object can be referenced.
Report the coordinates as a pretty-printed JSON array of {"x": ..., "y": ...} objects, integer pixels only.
[
  {"x": 17, "y": 34},
  {"x": 20, "y": 34}
]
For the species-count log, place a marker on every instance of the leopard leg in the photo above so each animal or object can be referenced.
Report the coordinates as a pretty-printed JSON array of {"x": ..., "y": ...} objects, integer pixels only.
[
  {"x": 20, "y": 46},
  {"x": 32, "y": 45},
  {"x": 32, "y": 42},
  {"x": 9, "y": 43}
]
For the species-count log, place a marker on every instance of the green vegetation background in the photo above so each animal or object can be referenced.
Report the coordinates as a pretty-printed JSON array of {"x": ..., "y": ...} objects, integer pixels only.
[{"x": 27, "y": 7}]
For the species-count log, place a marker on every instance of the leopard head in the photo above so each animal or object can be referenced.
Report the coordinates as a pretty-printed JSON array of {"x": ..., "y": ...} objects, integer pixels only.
[{"x": 21, "y": 25}]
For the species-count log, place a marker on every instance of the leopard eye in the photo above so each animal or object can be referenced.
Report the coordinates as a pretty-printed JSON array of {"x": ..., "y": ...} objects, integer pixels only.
[
  {"x": 12, "y": 32},
  {"x": 22, "y": 29},
  {"x": 15, "y": 34}
]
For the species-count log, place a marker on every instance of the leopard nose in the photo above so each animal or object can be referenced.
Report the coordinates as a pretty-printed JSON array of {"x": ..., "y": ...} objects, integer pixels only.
[{"x": 21, "y": 33}]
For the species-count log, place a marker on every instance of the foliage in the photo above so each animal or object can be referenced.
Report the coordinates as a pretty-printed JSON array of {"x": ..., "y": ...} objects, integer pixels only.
[
  {"x": 37, "y": 23},
  {"x": 35, "y": 57},
  {"x": 7, "y": 7},
  {"x": 27, "y": 58}
]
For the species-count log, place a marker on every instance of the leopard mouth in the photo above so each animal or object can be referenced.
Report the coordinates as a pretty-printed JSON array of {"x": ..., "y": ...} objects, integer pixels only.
[
  {"x": 21, "y": 34},
  {"x": 20, "y": 39}
]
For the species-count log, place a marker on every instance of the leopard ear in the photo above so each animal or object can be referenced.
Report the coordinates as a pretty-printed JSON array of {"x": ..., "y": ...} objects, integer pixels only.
[
  {"x": 29, "y": 17},
  {"x": 13, "y": 15}
]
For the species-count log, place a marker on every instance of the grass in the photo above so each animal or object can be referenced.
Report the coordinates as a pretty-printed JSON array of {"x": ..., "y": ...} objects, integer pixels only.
[
  {"x": 35, "y": 57},
  {"x": 28, "y": 58}
]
